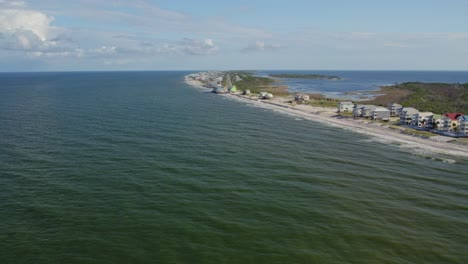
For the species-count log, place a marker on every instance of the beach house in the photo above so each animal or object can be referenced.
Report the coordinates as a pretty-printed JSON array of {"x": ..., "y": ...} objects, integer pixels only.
[
  {"x": 451, "y": 121},
  {"x": 219, "y": 89},
  {"x": 395, "y": 109},
  {"x": 422, "y": 120},
  {"x": 463, "y": 125},
  {"x": 345, "y": 107},
  {"x": 380, "y": 113},
  {"x": 407, "y": 115},
  {"x": 301, "y": 98},
  {"x": 212, "y": 84},
  {"x": 232, "y": 89},
  {"x": 357, "y": 111},
  {"x": 435, "y": 122},
  {"x": 367, "y": 110}
]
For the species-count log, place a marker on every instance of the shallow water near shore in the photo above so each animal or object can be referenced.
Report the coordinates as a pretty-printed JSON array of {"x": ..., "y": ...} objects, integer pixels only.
[{"x": 136, "y": 167}]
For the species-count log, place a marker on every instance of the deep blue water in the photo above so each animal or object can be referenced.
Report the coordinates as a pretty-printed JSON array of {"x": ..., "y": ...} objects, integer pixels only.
[
  {"x": 138, "y": 167},
  {"x": 363, "y": 81}
]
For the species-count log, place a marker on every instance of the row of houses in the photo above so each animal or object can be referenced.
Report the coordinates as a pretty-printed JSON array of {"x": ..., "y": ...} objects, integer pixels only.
[
  {"x": 368, "y": 111},
  {"x": 448, "y": 123},
  {"x": 208, "y": 77}
]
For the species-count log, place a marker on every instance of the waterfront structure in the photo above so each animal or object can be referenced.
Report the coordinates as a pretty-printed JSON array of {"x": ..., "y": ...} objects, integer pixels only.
[
  {"x": 435, "y": 122},
  {"x": 219, "y": 89},
  {"x": 451, "y": 121},
  {"x": 407, "y": 115},
  {"x": 232, "y": 89},
  {"x": 395, "y": 109},
  {"x": 421, "y": 119},
  {"x": 265, "y": 95},
  {"x": 212, "y": 84},
  {"x": 380, "y": 113},
  {"x": 367, "y": 110},
  {"x": 357, "y": 111},
  {"x": 301, "y": 98},
  {"x": 463, "y": 127},
  {"x": 345, "y": 107}
]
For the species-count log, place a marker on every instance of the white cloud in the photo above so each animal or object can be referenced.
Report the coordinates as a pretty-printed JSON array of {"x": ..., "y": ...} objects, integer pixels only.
[
  {"x": 187, "y": 46},
  {"x": 22, "y": 40},
  {"x": 198, "y": 47},
  {"x": 209, "y": 42},
  {"x": 24, "y": 30},
  {"x": 261, "y": 46},
  {"x": 12, "y": 3},
  {"x": 184, "y": 47},
  {"x": 31, "y": 33},
  {"x": 13, "y": 20},
  {"x": 104, "y": 50}
]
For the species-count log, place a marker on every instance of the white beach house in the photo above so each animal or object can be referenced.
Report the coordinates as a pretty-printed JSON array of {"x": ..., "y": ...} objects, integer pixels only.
[
  {"x": 367, "y": 110},
  {"x": 463, "y": 125},
  {"x": 435, "y": 122},
  {"x": 380, "y": 113},
  {"x": 345, "y": 107},
  {"x": 395, "y": 109},
  {"x": 422, "y": 119},
  {"x": 357, "y": 111},
  {"x": 407, "y": 115}
]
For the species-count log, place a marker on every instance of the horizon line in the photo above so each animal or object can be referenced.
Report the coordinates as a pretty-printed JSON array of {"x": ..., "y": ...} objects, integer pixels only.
[{"x": 205, "y": 70}]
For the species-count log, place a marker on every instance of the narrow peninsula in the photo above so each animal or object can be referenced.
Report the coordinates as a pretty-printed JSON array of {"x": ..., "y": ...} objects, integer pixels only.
[{"x": 414, "y": 129}]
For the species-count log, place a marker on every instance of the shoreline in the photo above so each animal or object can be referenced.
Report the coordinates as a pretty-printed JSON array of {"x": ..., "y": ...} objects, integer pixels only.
[{"x": 328, "y": 116}]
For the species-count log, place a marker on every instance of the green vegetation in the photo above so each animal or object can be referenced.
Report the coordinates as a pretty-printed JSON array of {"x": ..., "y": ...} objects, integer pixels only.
[
  {"x": 412, "y": 132},
  {"x": 320, "y": 100},
  {"x": 346, "y": 114},
  {"x": 432, "y": 97},
  {"x": 305, "y": 76},
  {"x": 418, "y": 133},
  {"x": 461, "y": 141},
  {"x": 256, "y": 84}
]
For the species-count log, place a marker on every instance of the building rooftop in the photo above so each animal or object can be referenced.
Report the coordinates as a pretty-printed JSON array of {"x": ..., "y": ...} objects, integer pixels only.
[{"x": 453, "y": 116}]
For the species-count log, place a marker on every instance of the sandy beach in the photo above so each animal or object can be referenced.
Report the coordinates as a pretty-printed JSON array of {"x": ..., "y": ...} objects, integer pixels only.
[{"x": 378, "y": 131}]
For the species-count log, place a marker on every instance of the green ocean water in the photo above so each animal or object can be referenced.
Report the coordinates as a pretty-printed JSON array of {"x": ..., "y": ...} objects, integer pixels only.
[{"x": 138, "y": 167}]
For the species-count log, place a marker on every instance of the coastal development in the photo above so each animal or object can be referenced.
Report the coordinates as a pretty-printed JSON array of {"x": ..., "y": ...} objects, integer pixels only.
[
  {"x": 444, "y": 133},
  {"x": 447, "y": 124}
]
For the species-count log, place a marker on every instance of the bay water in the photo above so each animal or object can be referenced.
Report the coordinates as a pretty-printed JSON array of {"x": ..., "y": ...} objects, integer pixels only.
[
  {"x": 358, "y": 85},
  {"x": 139, "y": 167}
]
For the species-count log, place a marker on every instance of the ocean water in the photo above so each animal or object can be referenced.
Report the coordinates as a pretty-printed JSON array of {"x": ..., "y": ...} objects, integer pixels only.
[
  {"x": 356, "y": 85},
  {"x": 138, "y": 167}
]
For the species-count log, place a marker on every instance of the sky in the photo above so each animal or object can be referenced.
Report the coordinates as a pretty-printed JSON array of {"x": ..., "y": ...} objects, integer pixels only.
[{"x": 106, "y": 35}]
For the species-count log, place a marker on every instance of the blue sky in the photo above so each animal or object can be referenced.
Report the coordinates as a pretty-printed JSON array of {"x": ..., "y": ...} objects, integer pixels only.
[{"x": 57, "y": 35}]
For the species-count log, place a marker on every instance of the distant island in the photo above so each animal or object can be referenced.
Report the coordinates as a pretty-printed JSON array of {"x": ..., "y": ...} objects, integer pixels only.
[{"x": 305, "y": 76}]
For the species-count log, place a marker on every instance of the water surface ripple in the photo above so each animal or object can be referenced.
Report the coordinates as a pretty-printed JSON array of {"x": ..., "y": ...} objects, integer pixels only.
[{"x": 137, "y": 167}]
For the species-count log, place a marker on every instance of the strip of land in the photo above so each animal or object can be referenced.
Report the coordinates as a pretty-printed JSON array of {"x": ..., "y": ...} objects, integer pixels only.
[
  {"x": 305, "y": 76},
  {"x": 326, "y": 115}
]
